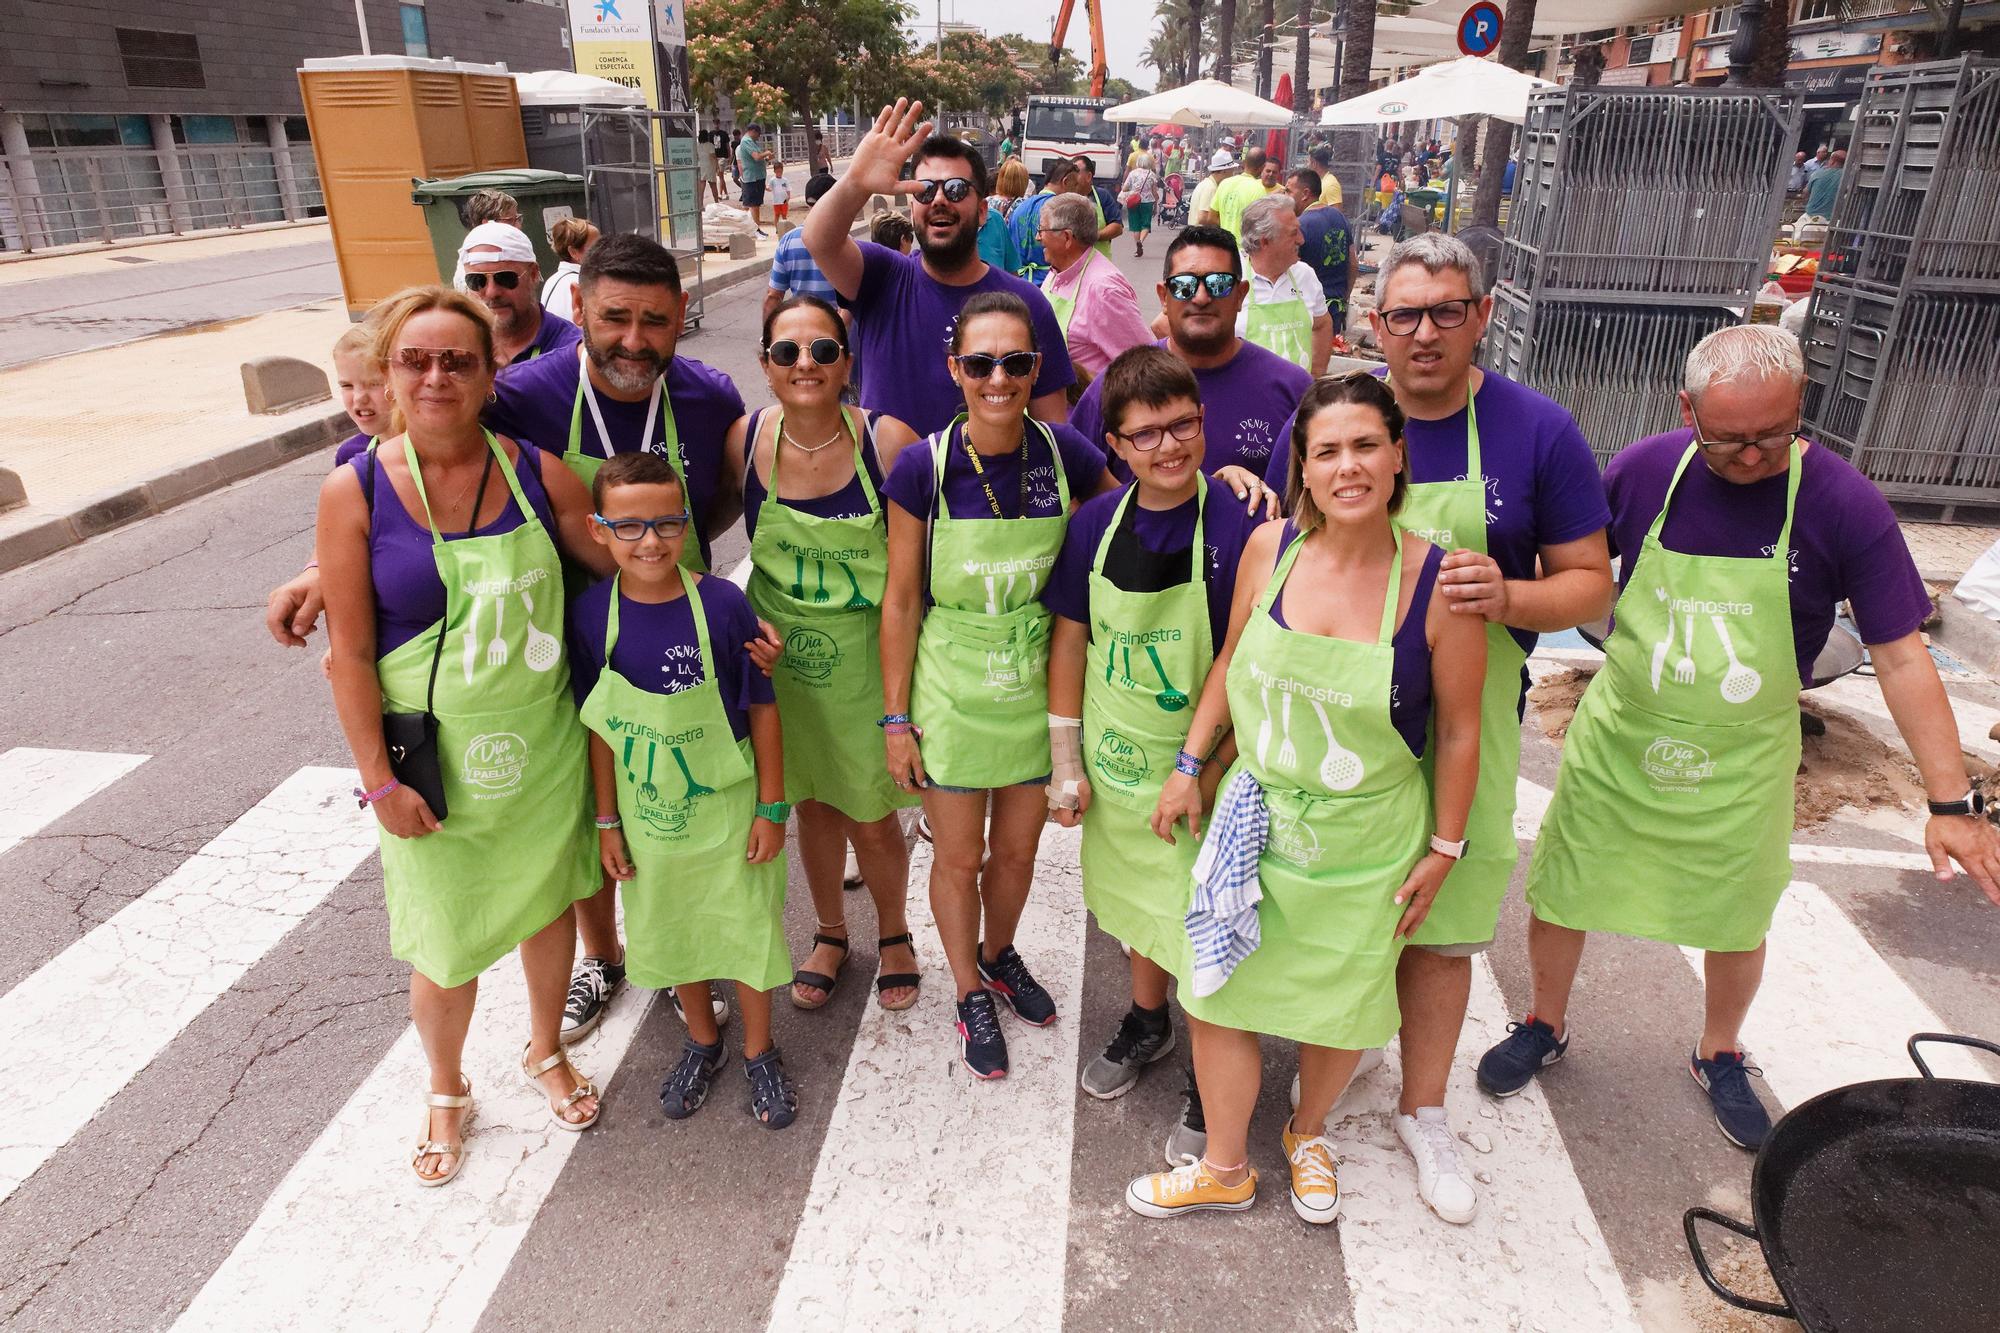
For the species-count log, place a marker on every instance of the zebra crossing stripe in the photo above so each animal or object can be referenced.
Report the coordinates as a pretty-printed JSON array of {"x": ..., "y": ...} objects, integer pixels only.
[
  {"x": 940, "y": 1201},
  {"x": 123, "y": 991},
  {"x": 350, "y": 1240},
  {"x": 38, "y": 787}
]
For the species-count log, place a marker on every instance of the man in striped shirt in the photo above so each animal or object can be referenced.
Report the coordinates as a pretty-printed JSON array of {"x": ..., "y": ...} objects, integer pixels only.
[{"x": 793, "y": 272}]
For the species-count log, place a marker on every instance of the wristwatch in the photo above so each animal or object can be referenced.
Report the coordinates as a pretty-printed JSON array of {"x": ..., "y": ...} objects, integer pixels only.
[
  {"x": 775, "y": 811},
  {"x": 1972, "y": 803},
  {"x": 1455, "y": 850}
]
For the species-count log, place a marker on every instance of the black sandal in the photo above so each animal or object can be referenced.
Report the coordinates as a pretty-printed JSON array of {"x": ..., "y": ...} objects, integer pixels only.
[
  {"x": 819, "y": 980},
  {"x": 889, "y": 981}
]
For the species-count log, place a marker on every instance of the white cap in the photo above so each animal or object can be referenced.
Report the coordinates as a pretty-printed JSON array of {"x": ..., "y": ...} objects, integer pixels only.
[
  {"x": 511, "y": 242},
  {"x": 1222, "y": 161}
]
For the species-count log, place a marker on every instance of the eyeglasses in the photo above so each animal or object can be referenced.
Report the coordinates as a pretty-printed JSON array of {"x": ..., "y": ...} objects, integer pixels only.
[
  {"x": 506, "y": 280},
  {"x": 633, "y": 529},
  {"x": 1770, "y": 444},
  {"x": 955, "y": 190},
  {"x": 453, "y": 361},
  {"x": 824, "y": 351},
  {"x": 1014, "y": 365},
  {"x": 1403, "y": 320},
  {"x": 1152, "y": 437},
  {"x": 1182, "y": 286}
]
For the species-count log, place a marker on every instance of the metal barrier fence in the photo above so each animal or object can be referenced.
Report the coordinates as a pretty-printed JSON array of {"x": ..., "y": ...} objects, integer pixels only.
[
  {"x": 794, "y": 142},
  {"x": 108, "y": 194}
]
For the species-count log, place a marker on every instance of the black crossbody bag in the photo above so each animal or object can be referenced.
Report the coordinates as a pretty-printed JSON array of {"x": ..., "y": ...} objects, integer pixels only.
[{"x": 412, "y": 738}]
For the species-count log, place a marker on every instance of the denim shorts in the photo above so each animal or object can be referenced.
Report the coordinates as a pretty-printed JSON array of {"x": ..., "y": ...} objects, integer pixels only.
[{"x": 1041, "y": 781}]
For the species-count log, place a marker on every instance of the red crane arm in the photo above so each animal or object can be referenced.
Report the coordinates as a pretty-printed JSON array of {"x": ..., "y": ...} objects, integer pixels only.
[{"x": 1099, "y": 68}]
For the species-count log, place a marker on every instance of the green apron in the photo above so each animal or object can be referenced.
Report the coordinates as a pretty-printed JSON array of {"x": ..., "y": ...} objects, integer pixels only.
[
  {"x": 1103, "y": 247},
  {"x": 1672, "y": 815},
  {"x": 1065, "y": 306},
  {"x": 586, "y": 465},
  {"x": 1137, "y": 886},
  {"x": 980, "y": 692},
  {"x": 517, "y": 846},
  {"x": 697, "y": 910},
  {"x": 1452, "y": 514},
  {"x": 1284, "y": 327},
  {"x": 829, "y": 681},
  {"x": 1350, "y": 814}
]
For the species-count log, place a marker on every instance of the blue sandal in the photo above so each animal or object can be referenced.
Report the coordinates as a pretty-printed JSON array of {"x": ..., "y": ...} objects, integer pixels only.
[
  {"x": 773, "y": 1099},
  {"x": 686, "y": 1088}
]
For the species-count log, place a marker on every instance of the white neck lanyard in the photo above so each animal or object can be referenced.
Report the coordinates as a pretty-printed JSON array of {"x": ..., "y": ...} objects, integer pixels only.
[{"x": 597, "y": 414}]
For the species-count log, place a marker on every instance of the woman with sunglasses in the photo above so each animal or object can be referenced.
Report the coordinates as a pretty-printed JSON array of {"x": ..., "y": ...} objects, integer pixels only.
[
  {"x": 976, "y": 517},
  {"x": 444, "y": 596},
  {"x": 813, "y": 473},
  {"x": 1331, "y": 844}
]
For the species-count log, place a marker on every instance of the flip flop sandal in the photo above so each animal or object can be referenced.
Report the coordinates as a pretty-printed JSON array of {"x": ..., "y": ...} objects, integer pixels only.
[
  {"x": 888, "y": 981},
  {"x": 773, "y": 1099},
  {"x": 820, "y": 980},
  {"x": 428, "y": 1147},
  {"x": 584, "y": 1088}
]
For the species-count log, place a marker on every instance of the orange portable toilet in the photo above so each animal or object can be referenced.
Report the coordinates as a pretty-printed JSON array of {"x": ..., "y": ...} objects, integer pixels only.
[{"x": 379, "y": 122}]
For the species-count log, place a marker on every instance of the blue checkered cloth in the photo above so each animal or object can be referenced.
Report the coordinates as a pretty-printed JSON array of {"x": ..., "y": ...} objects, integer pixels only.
[
  {"x": 794, "y": 273},
  {"x": 1222, "y": 919}
]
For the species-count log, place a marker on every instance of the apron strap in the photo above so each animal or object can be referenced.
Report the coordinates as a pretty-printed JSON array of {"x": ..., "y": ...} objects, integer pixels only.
[
  {"x": 1198, "y": 556},
  {"x": 1286, "y": 558},
  {"x": 1473, "y": 470},
  {"x": 690, "y": 580},
  {"x": 1781, "y": 551},
  {"x": 864, "y": 432},
  {"x": 586, "y": 394},
  {"x": 494, "y": 455},
  {"x": 1390, "y": 598}
]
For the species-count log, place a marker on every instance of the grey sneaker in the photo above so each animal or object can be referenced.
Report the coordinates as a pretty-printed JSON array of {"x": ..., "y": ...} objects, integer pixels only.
[
  {"x": 1136, "y": 1045},
  {"x": 1188, "y": 1139},
  {"x": 716, "y": 1001}
]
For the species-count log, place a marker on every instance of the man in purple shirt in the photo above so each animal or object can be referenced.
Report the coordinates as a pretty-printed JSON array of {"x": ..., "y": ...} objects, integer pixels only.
[
  {"x": 904, "y": 306},
  {"x": 501, "y": 272},
  {"x": 1704, "y": 843}
]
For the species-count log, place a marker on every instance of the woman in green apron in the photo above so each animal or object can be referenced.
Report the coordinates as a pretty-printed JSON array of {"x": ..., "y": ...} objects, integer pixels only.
[
  {"x": 976, "y": 516},
  {"x": 444, "y": 597},
  {"x": 688, "y": 766},
  {"x": 1328, "y": 847},
  {"x": 819, "y": 547}
]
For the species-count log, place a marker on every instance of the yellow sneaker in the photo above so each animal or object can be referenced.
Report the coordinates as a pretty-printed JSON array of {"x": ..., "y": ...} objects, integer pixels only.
[
  {"x": 1188, "y": 1189},
  {"x": 1315, "y": 1177}
]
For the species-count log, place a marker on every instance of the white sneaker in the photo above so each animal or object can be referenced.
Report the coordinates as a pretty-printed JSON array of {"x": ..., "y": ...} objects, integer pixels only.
[
  {"x": 850, "y": 873},
  {"x": 1370, "y": 1061},
  {"x": 1442, "y": 1181}
]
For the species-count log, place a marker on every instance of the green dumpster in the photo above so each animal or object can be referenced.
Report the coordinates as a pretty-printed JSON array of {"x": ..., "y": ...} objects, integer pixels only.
[{"x": 544, "y": 196}]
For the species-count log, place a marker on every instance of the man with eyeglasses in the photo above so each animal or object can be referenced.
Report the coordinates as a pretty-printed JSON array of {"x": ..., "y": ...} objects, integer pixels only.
[
  {"x": 1673, "y": 810},
  {"x": 502, "y": 274},
  {"x": 905, "y": 306},
  {"x": 1500, "y": 477},
  {"x": 1093, "y": 301}
]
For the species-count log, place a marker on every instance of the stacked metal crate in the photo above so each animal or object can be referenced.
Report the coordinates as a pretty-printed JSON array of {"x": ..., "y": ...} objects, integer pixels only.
[
  {"x": 1642, "y": 220},
  {"x": 1903, "y": 336}
]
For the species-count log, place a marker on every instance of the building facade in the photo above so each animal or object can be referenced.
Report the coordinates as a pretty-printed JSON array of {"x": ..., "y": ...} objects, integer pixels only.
[{"x": 120, "y": 120}]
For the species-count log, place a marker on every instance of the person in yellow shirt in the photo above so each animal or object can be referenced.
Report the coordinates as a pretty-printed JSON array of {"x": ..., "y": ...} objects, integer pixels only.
[
  {"x": 1329, "y": 184},
  {"x": 1240, "y": 191}
]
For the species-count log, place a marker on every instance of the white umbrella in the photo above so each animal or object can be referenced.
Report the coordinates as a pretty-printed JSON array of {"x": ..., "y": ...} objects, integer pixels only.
[
  {"x": 1203, "y": 102},
  {"x": 562, "y": 87},
  {"x": 1467, "y": 86}
]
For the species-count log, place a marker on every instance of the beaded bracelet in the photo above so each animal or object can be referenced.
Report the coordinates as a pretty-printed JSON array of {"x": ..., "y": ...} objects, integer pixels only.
[
  {"x": 610, "y": 822},
  {"x": 897, "y": 728},
  {"x": 1187, "y": 763},
  {"x": 369, "y": 798}
]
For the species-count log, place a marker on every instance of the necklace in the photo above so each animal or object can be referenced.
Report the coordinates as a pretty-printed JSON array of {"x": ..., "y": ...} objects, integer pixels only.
[{"x": 839, "y": 433}]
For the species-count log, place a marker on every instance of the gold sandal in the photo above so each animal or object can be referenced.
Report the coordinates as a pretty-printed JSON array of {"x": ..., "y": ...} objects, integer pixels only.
[
  {"x": 428, "y": 1147},
  {"x": 584, "y": 1088}
]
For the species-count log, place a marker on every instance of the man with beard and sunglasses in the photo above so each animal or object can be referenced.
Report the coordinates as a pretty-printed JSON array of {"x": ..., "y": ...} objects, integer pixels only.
[
  {"x": 905, "y": 306},
  {"x": 502, "y": 274}
]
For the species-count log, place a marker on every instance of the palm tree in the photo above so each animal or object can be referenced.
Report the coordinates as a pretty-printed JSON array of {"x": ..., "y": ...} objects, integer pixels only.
[
  {"x": 1195, "y": 10},
  {"x": 1359, "y": 16},
  {"x": 1514, "y": 33},
  {"x": 1225, "y": 46},
  {"x": 1266, "y": 35},
  {"x": 1302, "y": 60}
]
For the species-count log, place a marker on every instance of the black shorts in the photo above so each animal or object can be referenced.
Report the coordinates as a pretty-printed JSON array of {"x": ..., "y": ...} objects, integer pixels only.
[{"x": 753, "y": 194}]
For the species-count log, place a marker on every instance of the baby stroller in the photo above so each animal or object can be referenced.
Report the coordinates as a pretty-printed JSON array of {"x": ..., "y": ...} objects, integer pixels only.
[{"x": 1173, "y": 203}]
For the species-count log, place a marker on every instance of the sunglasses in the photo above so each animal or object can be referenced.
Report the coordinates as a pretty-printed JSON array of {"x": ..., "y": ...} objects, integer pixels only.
[
  {"x": 1403, "y": 320},
  {"x": 1182, "y": 286},
  {"x": 506, "y": 280},
  {"x": 1014, "y": 365},
  {"x": 633, "y": 529},
  {"x": 955, "y": 190},
  {"x": 1152, "y": 437},
  {"x": 451, "y": 360},
  {"x": 824, "y": 351}
]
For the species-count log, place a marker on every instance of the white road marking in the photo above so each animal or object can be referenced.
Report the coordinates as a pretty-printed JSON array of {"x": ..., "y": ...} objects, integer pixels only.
[
  {"x": 939, "y": 1201},
  {"x": 97, "y": 1013},
  {"x": 38, "y": 787},
  {"x": 350, "y": 1240}
]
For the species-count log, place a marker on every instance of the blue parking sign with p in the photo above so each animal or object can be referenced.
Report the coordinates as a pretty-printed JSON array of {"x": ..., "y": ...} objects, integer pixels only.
[{"x": 1479, "y": 29}]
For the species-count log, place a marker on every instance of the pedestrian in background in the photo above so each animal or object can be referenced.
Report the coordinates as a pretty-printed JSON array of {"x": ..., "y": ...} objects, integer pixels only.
[
  {"x": 752, "y": 169},
  {"x": 711, "y": 167},
  {"x": 1140, "y": 194},
  {"x": 1094, "y": 303},
  {"x": 1202, "y": 211},
  {"x": 793, "y": 272},
  {"x": 1327, "y": 244},
  {"x": 1238, "y": 192},
  {"x": 1824, "y": 187},
  {"x": 570, "y": 238},
  {"x": 503, "y": 275},
  {"x": 1285, "y": 311}
]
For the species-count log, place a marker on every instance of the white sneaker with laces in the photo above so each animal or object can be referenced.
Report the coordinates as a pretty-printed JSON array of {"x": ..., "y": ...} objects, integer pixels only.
[{"x": 1442, "y": 1181}]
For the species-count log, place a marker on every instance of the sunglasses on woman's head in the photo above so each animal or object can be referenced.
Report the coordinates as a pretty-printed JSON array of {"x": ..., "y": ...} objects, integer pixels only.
[
  {"x": 453, "y": 361},
  {"x": 1014, "y": 365},
  {"x": 955, "y": 190},
  {"x": 506, "y": 280},
  {"x": 1182, "y": 286},
  {"x": 824, "y": 351}
]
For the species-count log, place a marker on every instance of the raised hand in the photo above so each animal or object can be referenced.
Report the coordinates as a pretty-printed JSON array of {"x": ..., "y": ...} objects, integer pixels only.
[{"x": 898, "y": 133}]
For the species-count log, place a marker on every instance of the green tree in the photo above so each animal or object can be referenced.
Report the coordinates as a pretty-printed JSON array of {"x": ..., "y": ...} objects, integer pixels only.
[
  {"x": 811, "y": 49},
  {"x": 976, "y": 74}
]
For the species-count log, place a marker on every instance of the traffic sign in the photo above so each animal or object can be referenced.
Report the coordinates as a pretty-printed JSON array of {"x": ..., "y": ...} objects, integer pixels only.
[{"x": 1479, "y": 29}]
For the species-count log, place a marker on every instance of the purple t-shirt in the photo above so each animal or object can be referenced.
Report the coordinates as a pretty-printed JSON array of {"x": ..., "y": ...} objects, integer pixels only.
[
  {"x": 1247, "y": 407},
  {"x": 657, "y": 649},
  {"x": 912, "y": 483},
  {"x": 850, "y": 501},
  {"x": 409, "y": 595},
  {"x": 1410, "y": 665},
  {"x": 1845, "y": 542},
  {"x": 351, "y": 448},
  {"x": 555, "y": 334},
  {"x": 903, "y": 321},
  {"x": 1161, "y": 558},
  {"x": 1542, "y": 483},
  {"x": 536, "y": 400}
]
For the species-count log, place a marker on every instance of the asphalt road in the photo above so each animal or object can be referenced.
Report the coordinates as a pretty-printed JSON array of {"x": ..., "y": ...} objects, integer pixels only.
[{"x": 212, "y": 1087}]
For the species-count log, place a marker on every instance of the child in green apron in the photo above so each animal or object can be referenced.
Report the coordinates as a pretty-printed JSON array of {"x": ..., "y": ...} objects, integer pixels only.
[
  {"x": 976, "y": 517},
  {"x": 688, "y": 766},
  {"x": 1337, "y": 659}
]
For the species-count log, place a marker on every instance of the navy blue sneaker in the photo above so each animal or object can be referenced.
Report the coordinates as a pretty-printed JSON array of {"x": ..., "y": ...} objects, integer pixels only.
[
  {"x": 1531, "y": 1047},
  {"x": 979, "y": 1041},
  {"x": 1738, "y": 1114},
  {"x": 686, "y": 1087},
  {"x": 1009, "y": 977}
]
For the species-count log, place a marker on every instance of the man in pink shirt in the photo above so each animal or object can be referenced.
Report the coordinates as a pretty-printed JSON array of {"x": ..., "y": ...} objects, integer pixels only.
[{"x": 1096, "y": 306}]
